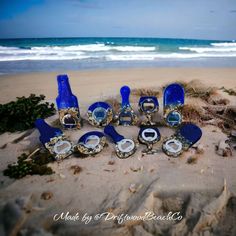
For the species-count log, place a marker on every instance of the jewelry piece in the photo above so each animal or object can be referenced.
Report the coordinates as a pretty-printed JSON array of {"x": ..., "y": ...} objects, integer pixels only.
[
  {"x": 100, "y": 114},
  {"x": 124, "y": 147},
  {"x": 67, "y": 104},
  {"x": 54, "y": 140},
  {"x": 173, "y": 102},
  {"x": 149, "y": 135},
  {"x": 187, "y": 135},
  {"x": 126, "y": 115},
  {"x": 148, "y": 105},
  {"x": 91, "y": 143}
]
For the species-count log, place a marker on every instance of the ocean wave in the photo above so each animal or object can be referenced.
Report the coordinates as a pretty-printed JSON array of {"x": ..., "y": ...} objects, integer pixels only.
[
  {"x": 208, "y": 49},
  {"x": 226, "y": 44},
  {"x": 145, "y": 57},
  {"x": 103, "y": 52},
  {"x": 118, "y": 57}
]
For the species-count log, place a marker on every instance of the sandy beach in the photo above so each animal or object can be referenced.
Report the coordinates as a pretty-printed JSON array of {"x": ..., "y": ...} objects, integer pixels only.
[{"x": 204, "y": 192}]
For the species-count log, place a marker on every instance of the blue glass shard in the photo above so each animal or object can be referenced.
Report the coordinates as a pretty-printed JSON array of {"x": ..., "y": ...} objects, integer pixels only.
[
  {"x": 173, "y": 95},
  {"x": 65, "y": 97},
  {"x": 46, "y": 131},
  {"x": 110, "y": 131},
  {"x": 125, "y": 92},
  {"x": 84, "y": 138},
  {"x": 191, "y": 132}
]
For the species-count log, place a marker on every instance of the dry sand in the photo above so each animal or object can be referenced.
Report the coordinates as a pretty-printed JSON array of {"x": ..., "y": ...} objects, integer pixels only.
[{"x": 163, "y": 184}]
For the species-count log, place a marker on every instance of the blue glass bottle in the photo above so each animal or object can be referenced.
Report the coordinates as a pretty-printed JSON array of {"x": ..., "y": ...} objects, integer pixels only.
[
  {"x": 67, "y": 104},
  {"x": 46, "y": 131},
  {"x": 173, "y": 102},
  {"x": 54, "y": 140},
  {"x": 126, "y": 115}
]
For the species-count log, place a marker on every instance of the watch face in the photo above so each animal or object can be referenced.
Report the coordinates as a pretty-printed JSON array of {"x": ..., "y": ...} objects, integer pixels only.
[
  {"x": 174, "y": 118},
  {"x": 100, "y": 114},
  {"x": 149, "y": 135},
  {"x": 91, "y": 143},
  {"x": 126, "y": 145},
  {"x": 173, "y": 147},
  {"x": 62, "y": 147}
]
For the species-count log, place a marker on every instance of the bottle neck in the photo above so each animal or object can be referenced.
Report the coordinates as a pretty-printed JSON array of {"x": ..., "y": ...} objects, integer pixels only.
[{"x": 64, "y": 88}]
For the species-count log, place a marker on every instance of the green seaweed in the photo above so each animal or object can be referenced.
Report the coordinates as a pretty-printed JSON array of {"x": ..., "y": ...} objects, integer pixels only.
[
  {"x": 35, "y": 165},
  {"x": 21, "y": 114}
]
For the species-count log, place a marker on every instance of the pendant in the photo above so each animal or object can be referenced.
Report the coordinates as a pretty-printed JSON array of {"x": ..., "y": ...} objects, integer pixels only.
[
  {"x": 54, "y": 140},
  {"x": 100, "y": 114},
  {"x": 124, "y": 147},
  {"x": 148, "y": 105},
  {"x": 173, "y": 102},
  {"x": 187, "y": 135},
  {"x": 91, "y": 143},
  {"x": 67, "y": 104},
  {"x": 126, "y": 115},
  {"x": 149, "y": 135}
]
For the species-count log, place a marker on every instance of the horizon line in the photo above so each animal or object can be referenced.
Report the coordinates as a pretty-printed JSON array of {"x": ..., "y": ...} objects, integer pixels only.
[{"x": 18, "y": 38}]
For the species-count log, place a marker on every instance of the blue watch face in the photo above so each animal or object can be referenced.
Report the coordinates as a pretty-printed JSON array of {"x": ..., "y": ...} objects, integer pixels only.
[
  {"x": 174, "y": 118},
  {"x": 91, "y": 143},
  {"x": 100, "y": 114}
]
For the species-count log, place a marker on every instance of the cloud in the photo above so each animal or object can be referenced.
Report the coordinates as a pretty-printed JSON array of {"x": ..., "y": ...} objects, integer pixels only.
[{"x": 232, "y": 11}]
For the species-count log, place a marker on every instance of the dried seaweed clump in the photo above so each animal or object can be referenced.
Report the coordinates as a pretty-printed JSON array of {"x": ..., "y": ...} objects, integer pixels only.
[
  {"x": 146, "y": 92},
  {"x": 35, "y": 165},
  {"x": 21, "y": 114},
  {"x": 194, "y": 113},
  {"x": 196, "y": 89},
  {"x": 115, "y": 104},
  {"x": 231, "y": 92}
]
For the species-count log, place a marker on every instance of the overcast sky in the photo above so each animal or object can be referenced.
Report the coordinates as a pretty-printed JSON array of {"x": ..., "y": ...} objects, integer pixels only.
[{"x": 200, "y": 19}]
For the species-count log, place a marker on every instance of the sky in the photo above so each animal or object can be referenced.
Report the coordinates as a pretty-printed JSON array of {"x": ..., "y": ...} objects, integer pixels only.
[{"x": 196, "y": 19}]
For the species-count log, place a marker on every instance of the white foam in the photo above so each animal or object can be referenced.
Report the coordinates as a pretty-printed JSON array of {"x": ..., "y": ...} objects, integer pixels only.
[
  {"x": 226, "y": 44},
  {"x": 209, "y": 49}
]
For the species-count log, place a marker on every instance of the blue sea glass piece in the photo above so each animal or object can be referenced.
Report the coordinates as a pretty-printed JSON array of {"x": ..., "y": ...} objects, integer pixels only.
[
  {"x": 110, "y": 131},
  {"x": 173, "y": 95},
  {"x": 46, "y": 131},
  {"x": 191, "y": 133},
  {"x": 148, "y": 104},
  {"x": 65, "y": 97},
  {"x": 125, "y": 92}
]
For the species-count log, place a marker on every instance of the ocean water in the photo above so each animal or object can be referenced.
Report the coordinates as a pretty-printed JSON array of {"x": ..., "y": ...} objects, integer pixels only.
[{"x": 59, "y": 54}]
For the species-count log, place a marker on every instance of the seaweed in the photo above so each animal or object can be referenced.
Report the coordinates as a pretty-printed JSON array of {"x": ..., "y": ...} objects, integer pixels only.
[
  {"x": 33, "y": 164},
  {"x": 21, "y": 114},
  {"x": 231, "y": 92}
]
